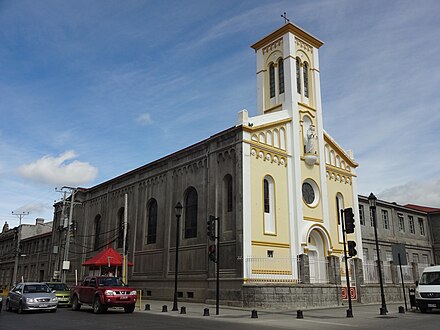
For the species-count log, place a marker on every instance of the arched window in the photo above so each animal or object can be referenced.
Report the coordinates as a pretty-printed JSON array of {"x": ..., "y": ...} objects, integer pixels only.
[
  {"x": 121, "y": 227},
  {"x": 152, "y": 221},
  {"x": 269, "y": 205},
  {"x": 229, "y": 197},
  {"x": 306, "y": 79},
  {"x": 339, "y": 208},
  {"x": 272, "y": 80},
  {"x": 281, "y": 75},
  {"x": 191, "y": 206},
  {"x": 97, "y": 242},
  {"x": 298, "y": 77}
]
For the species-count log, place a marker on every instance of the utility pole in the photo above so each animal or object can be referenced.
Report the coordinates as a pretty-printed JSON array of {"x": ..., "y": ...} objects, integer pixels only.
[
  {"x": 17, "y": 251},
  {"x": 66, "y": 263}
]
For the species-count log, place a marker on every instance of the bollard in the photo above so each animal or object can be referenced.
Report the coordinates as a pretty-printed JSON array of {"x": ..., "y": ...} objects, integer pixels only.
[
  {"x": 349, "y": 313},
  {"x": 401, "y": 310},
  {"x": 183, "y": 310},
  {"x": 164, "y": 308},
  {"x": 299, "y": 314},
  {"x": 147, "y": 307},
  {"x": 254, "y": 314},
  {"x": 206, "y": 312}
]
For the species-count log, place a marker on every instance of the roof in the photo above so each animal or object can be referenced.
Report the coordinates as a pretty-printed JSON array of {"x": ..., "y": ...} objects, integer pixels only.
[
  {"x": 422, "y": 208},
  {"x": 431, "y": 269},
  {"x": 108, "y": 257}
]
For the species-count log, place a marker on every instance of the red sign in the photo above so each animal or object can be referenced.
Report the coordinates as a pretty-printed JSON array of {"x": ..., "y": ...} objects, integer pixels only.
[{"x": 353, "y": 293}]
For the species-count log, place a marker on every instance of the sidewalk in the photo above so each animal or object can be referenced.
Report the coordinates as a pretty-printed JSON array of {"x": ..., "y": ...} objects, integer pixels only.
[{"x": 364, "y": 316}]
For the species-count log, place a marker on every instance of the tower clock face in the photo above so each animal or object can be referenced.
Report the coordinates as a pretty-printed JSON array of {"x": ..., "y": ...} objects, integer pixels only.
[{"x": 308, "y": 193}]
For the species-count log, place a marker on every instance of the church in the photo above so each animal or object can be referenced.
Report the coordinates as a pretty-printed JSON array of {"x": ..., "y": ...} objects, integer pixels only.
[{"x": 277, "y": 182}]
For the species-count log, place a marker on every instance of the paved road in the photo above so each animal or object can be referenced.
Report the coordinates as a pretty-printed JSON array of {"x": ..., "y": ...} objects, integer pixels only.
[{"x": 365, "y": 317}]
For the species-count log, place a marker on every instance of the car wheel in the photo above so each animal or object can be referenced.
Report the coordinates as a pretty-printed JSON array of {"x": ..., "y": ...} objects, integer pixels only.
[
  {"x": 75, "y": 303},
  {"x": 20, "y": 308},
  {"x": 53, "y": 310},
  {"x": 97, "y": 307},
  {"x": 129, "y": 308},
  {"x": 8, "y": 306}
]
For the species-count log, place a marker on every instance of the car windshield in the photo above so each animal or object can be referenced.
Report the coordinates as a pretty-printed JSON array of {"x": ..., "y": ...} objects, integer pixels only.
[
  {"x": 430, "y": 278},
  {"x": 110, "y": 281},
  {"x": 58, "y": 286},
  {"x": 36, "y": 288}
]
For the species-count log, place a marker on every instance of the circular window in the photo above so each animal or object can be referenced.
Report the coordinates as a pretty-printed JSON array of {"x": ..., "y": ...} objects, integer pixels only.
[{"x": 310, "y": 192}]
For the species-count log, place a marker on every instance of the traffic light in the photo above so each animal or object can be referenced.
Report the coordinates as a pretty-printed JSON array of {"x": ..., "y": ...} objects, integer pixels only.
[
  {"x": 349, "y": 220},
  {"x": 211, "y": 253},
  {"x": 211, "y": 227},
  {"x": 352, "y": 248}
]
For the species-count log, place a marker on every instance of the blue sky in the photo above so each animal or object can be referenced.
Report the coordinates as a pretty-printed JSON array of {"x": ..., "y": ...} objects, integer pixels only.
[{"x": 92, "y": 89}]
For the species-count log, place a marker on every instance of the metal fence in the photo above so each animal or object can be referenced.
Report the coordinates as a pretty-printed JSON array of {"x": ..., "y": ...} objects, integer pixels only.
[
  {"x": 261, "y": 269},
  {"x": 318, "y": 270}
]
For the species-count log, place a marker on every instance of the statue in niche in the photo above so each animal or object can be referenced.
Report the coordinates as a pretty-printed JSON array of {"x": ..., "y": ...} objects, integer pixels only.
[{"x": 309, "y": 147}]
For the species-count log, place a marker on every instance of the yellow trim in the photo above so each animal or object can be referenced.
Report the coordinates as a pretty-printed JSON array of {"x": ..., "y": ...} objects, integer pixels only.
[
  {"x": 307, "y": 112},
  {"x": 340, "y": 151},
  {"x": 317, "y": 225},
  {"x": 339, "y": 170},
  {"x": 289, "y": 27},
  {"x": 307, "y": 106},
  {"x": 266, "y": 147},
  {"x": 268, "y": 125},
  {"x": 313, "y": 219},
  {"x": 274, "y": 108},
  {"x": 271, "y": 244},
  {"x": 271, "y": 271}
]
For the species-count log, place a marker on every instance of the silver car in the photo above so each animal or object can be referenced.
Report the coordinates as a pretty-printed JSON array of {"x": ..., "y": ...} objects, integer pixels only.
[{"x": 31, "y": 296}]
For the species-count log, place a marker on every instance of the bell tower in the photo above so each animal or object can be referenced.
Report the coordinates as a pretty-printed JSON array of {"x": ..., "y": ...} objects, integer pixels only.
[{"x": 286, "y": 61}]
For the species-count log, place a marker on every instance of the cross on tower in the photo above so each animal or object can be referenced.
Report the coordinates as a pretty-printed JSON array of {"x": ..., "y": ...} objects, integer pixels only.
[{"x": 285, "y": 18}]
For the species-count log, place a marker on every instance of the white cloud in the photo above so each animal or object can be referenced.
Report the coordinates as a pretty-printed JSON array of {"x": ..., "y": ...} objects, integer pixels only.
[
  {"x": 144, "y": 119},
  {"x": 59, "y": 171},
  {"x": 425, "y": 193}
]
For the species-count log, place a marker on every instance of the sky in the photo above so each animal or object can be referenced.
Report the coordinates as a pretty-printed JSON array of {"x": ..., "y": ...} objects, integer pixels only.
[{"x": 92, "y": 89}]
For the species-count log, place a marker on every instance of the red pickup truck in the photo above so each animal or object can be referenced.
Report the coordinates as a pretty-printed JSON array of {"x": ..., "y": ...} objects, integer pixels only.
[{"x": 102, "y": 292}]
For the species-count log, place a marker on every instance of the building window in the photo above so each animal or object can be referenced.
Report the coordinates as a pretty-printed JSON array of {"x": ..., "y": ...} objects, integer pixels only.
[
  {"x": 412, "y": 228},
  {"x": 385, "y": 219},
  {"x": 415, "y": 258},
  {"x": 191, "y": 206},
  {"x": 422, "y": 227},
  {"x": 425, "y": 259},
  {"x": 152, "y": 221},
  {"x": 281, "y": 75},
  {"x": 298, "y": 77},
  {"x": 121, "y": 227},
  {"x": 339, "y": 208},
  {"x": 228, "y": 193},
  {"x": 306, "y": 79},
  {"x": 97, "y": 241},
  {"x": 269, "y": 205},
  {"x": 361, "y": 215},
  {"x": 401, "y": 223},
  {"x": 270, "y": 253},
  {"x": 389, "y": 255},
  {"x": 365, "y": 253},
  {"x": 272, "y": 80}
]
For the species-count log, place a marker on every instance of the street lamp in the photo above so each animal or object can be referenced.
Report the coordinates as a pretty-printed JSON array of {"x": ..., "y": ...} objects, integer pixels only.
[
  {"x": 372, "y": 201},
  {"x": 178, "y": 209}
]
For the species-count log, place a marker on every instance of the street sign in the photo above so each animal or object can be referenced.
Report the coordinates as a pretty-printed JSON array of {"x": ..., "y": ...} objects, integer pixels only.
[{"x": 399, "y": 249}]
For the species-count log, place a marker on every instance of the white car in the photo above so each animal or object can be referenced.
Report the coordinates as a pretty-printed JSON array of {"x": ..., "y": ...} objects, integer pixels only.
[
  {"x": 31, "y": 296},
  {"x": 428, "y": 289}
]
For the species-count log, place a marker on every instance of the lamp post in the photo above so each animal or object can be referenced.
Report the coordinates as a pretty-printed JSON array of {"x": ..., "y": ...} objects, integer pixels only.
[
  {"x": 178, "y": 209},
  {"x": 18, "y": 252},
  {"x": 372, "y": 201}
]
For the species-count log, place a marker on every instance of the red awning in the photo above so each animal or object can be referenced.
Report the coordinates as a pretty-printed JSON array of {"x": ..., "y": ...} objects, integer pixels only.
[{"x": 108, "y": 257}]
